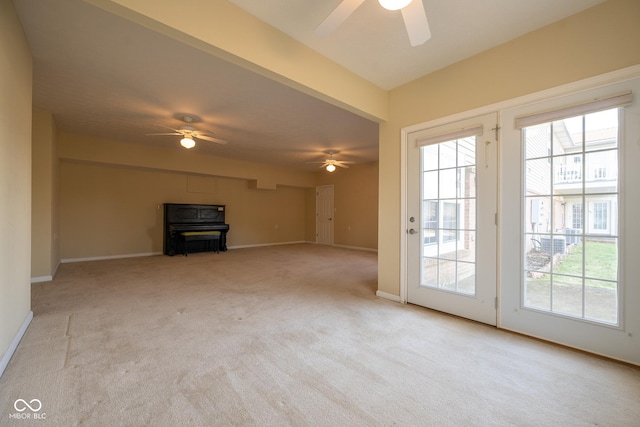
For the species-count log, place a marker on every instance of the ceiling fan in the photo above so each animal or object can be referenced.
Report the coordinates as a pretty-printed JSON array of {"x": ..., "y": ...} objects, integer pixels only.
[
  {"x": 413, "y": 14},
  {"x": 331, "y": 163},
  {"x": 189, "y": 133}
]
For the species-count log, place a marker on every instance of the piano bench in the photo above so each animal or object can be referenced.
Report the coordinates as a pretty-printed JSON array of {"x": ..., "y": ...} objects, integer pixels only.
[{"x": 188, "y": 236}]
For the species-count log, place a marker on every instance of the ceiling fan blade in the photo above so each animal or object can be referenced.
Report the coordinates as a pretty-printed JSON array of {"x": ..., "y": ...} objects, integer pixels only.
[
  {"x": 168, "y": 133},
  {"x": 170, "y": 128},
  {"x": 415, "y": 19},
  {"x": 210, "y": 138},
  {"x": 338, "y": 16},
  {"x": 341, "y": 165}
]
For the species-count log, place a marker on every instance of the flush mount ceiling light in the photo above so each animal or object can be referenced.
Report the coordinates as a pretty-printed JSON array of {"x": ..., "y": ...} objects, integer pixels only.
[
  {"x": 187, "y": 142},
  {"x": 394, "y": 4}
]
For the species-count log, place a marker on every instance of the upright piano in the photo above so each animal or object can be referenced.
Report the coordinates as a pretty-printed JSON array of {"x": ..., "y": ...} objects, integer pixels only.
[{"x": 180, "y": 218}]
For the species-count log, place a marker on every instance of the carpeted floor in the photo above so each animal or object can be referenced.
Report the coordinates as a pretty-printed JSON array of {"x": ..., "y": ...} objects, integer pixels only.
[{"x": 285, "y": 335}]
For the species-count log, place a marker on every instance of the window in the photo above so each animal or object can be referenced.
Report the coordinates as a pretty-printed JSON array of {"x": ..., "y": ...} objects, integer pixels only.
[
  {"x": 449, "y": 214},
  {"x": 572, "y": 272},
  {"x": 576, "y": 212},
  {"x": 600, "y": 210}
]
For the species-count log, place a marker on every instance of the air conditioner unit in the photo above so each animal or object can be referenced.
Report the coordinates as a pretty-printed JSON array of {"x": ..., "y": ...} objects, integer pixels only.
[
  {"x": 573, "y": 235},
  {"x": 559, "y": 245}
]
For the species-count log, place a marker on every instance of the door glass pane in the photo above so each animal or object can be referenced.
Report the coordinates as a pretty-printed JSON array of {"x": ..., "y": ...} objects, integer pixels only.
[
  {"x": 429, "y": 158},
  {"x": 601, "y": 170},
  {"x": 539, "y": 176},
  {"x": 449, "y": 216},
  {"x": 538, "y": 141},
  {"x": 448, "y": 183},
  {"x": 600, "y": 300},
  {"x": 601, "y": 259},
  {"x": 537, "y": 291},
  {"x": 571, "y": 217},
  {"x": 448, "y": 155},
  {"x": 430, "y": 185},
  {"x": 467, "y": 151},
  {"x": 466, "y": 278}
]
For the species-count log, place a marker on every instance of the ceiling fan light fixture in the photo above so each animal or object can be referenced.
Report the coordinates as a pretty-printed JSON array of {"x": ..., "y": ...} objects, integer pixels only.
[
  {"x": 394, "y": 4},
  {"x": 331, "y": 168},
  {"x": 187, "y": 142}
]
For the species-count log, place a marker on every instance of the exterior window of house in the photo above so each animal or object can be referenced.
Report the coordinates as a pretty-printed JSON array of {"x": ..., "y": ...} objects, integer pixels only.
[
  {"x": 576, "y": 222},
  {"x": 600, "y": 216},
  {"x": 430, "y": 222},
  {"x": 572, "y": 162}
]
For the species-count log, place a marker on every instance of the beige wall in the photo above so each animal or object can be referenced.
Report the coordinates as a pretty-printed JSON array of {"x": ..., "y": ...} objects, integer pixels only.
[
  {"x": 355, "y": 193},
  {"x": 109, "y": 210},
  {"x": 111, "y": 198},
  {"x": 596, "y": 41},
  {"x": 45, "y": 255},
  {"x": 263, "y": 176},
  {"x": 15, "y": 178}
]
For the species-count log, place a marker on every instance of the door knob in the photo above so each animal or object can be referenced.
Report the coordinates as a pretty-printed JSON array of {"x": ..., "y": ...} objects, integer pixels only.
[{"x": 412, "y": 231}]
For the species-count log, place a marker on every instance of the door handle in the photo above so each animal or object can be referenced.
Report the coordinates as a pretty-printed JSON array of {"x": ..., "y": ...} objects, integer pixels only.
[{"x": 412, "y": 231}]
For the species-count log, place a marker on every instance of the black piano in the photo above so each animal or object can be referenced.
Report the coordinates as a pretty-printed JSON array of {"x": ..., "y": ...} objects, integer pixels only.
[{"x": 184, "y": 218}]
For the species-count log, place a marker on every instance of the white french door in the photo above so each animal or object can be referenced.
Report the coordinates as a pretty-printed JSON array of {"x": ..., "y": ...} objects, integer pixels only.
[
  {"x": 451, "y": 208},
  {"x": 570, "y": 235}
]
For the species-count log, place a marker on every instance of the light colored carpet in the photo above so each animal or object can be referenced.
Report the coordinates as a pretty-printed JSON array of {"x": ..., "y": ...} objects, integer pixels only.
[{"x": 286, "y": 335}]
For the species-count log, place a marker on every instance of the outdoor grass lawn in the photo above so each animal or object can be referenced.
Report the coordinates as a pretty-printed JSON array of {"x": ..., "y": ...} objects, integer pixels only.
[{"x": 601, "y": 262}]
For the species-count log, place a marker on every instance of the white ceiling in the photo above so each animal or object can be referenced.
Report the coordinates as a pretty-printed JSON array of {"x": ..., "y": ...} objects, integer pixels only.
[
  {"x": 373, "y": 42},
  {"x": 104, "y": 76}
]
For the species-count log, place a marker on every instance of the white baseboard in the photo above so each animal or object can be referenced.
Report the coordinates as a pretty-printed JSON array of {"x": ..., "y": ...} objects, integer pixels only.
[
  {"x": 394, "y": 298},
  {"x": 14, "y": 344},
  {"x": 357, "y": 248},
  {"x": 55, "y": 270},
  {"x": 266, "y": 244},
  {"x": 100, "y": 258},
  {"x": 41, "y": 279}
]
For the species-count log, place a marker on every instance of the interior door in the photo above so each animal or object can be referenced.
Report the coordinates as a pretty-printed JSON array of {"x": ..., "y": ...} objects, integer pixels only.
[
  {"x": 570, "y": 245},
  {"x": 324, "y": 215},
  {"x": 451, "y": 207}
]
